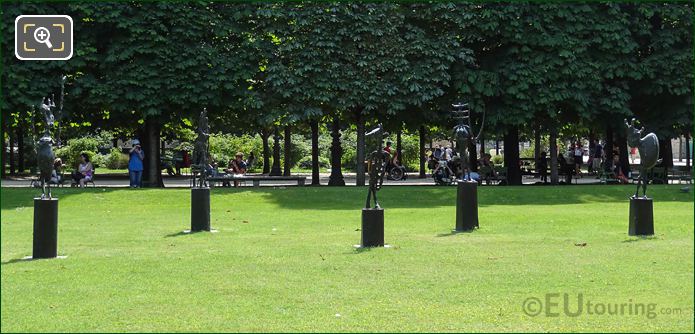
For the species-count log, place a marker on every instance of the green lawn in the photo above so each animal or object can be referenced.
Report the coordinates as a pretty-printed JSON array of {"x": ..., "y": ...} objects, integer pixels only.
[{"x": 283, "y": 261}]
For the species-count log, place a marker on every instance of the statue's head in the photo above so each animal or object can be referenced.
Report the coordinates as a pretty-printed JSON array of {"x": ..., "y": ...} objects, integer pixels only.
[
  {"x": 45, "y": 140},
  {"x": 463, "y": 130},
  {"x": 633, "y": 134}
]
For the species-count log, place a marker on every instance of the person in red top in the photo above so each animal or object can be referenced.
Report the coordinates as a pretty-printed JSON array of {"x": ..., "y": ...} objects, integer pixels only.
[{"x": 388, "y": 147}]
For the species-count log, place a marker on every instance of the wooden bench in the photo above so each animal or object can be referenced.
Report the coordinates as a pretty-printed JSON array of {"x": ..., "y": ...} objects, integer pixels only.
[
  {"x": 680, "y": 174},
  {"x": 487, "y": 177},
  {"x": 256, "y": 179}
]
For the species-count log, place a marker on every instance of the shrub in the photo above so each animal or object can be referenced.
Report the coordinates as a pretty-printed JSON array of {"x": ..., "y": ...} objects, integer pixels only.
[
  {"x": 497, "y": 159},
  {"x": 301, "y": 147},
  {"x": 70, "y": 153},
  {"x": 223, "y": 147},
  {"x": 305, "y": 163},
  {"x": 98, "y": 160},
  {"x": 116, "y": 159}
]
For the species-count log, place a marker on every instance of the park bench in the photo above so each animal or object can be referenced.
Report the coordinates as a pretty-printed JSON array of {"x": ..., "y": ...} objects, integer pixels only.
[
  {"x": 256, "y": 179},
  {"x": 680, "y": 174},
  {"x": 500, "y": 176}
]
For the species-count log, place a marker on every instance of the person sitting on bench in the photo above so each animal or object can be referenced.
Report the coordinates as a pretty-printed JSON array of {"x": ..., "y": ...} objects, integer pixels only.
[
  {"x": 237, "y": 166},
  {"x": 84, "y": 172}
]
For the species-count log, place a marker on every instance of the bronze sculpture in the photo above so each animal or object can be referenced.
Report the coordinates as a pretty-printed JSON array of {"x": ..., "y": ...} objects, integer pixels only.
[
  {"x": 200, "y": 151},
  {"x": 377, "y": 165},
  {"x": 44, "y": 154},
  {"x": 463, "y": 132},
  {"x": 648, "y": 147}
]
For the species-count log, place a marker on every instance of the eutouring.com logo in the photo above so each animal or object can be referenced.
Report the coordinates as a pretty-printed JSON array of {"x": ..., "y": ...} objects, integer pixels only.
[{"x": 575, "y": 305}]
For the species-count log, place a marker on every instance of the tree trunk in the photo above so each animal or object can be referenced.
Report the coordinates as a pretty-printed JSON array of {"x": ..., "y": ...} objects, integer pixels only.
[
  {"x": 20, "y": 148},
  {"x": 360, "y": 181},
  {"x": 537, "y": 144},
  {"x": 511, "y": 156},
  {"x": 3, "y": 125},
  {"x": 473, "y": 156},
  {"x": 482, "y": 145},
  {"x": 608, "y": 147},
  {"x": 336, "y": 178},
  {"x": 623, "y": 154},
  {"x": 275, "y": 170},
  {"x": 554, "y": 176},
  {"x": 687, "y": 151},
  {"x": 423, "y": 158},
  {"x": 288, "y": 151},
  {"x": 266, "y": 151},
  {"x": 152, "y": 174},
  {"x": 497, "y": 147},
  {"x": 315, "y": 166},
  {"x": 399, "y": 145},
  {"x": 666, "y": 153},
  {"x": 11, "y": 142},
  {"x": 163, "y": 147}
]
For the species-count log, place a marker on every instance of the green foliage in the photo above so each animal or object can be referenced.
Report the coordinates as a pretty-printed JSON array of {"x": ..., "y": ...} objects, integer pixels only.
[
  {"x": 590, "y": 64},
  {"x": 116, "y": 159},
  {"x": 305, "y": 163},
  {"x": 498, "y": 159},
  {"x": 300, "y": 148},
  {"x": 70, "y": 153},
  {"x": 223, "y": 147}
]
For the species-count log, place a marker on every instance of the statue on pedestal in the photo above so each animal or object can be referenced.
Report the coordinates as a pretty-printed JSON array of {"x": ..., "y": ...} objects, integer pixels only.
[
  {"x": 200, "y": 165},
  {"x": 44, "y": 152},
  {"x": 463, "y": 133},
  {"x": 378, "y": 160},
  {"x": 648, "y": 147}
]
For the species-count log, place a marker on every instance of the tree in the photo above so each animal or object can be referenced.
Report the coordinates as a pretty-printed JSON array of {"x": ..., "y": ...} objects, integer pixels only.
[{"x": 141, "y": 73}]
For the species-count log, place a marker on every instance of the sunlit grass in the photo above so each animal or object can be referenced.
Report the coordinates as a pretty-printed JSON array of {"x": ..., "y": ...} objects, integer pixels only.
[{"x": 283, "y": 261}]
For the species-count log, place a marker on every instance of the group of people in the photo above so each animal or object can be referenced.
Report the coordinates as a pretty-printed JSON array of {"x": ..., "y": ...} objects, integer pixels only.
[
  {"x": 85, "y": 170},
  {"x": 599, "y": 162},
  {"x": 443, "y": 160},
  {"x": 80, "y": 176}
]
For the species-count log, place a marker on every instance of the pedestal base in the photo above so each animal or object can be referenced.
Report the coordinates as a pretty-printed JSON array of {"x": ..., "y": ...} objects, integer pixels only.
[
  {"x": 467, "y": 206},
  {"x": 200, "y": 209},
  {"x": 641, "y": 216},
  {"x": 45, "y": 228},
  {"x": 372, "y": 227}
]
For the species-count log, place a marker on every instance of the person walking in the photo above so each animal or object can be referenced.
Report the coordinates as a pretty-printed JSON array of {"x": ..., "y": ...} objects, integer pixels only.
[
  {"x": 598, "y": 156},
  {"x": 578, "y": 154},
  {"x": 543, "y": 167},
  {"x": 135, "y": 165}
]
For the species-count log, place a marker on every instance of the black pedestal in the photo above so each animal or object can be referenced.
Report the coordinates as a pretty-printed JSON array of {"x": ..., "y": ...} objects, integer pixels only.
[
  {"x": 467, "y": 206},
  {"x": 641, "y": 216},
  {"x": 372, "y": 227},
  {"x": 45, "y": 228},
  {"x": 200, "y": 209}
]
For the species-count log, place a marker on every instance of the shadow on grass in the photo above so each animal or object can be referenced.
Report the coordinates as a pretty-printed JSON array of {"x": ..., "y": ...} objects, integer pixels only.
[
  {"x": 178, "y": 234},
  {"x": 31, "y": 259},
  {"x": 24, "y": 259},
  {"x": 641, "y": 238},
  {"x": 352, "y": 198},
  {"x": 454, "y": 232}
]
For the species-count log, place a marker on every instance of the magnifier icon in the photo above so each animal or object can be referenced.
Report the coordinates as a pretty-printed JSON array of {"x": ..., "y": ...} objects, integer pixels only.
[{"x": 42, "y": 35}]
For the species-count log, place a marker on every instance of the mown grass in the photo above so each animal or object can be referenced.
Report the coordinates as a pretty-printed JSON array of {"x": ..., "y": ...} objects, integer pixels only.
[{"x": 283, "y": 260}]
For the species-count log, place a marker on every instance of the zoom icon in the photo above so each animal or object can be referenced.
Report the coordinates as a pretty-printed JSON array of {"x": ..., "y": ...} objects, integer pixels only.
[{"x": 43, "y": 37}]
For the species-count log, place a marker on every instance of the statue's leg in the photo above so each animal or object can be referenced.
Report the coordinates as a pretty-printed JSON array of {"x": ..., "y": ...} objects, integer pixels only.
[
  {"x": 644, "y": 187},
  {"x": 376, "y": 202},
  {"x": 639, "y": 180},
  {"x": 369, "y": 197},
  {"x": 43, "y": 188}
]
